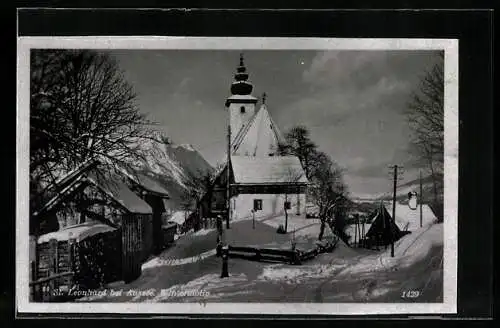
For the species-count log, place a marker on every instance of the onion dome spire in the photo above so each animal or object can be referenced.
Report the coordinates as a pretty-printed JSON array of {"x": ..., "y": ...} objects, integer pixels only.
[{"x": 241, "y": 86}]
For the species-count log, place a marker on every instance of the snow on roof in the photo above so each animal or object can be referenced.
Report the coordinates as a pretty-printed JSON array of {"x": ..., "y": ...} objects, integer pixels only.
[
  {"x": 259, "y": 137},
  {"x": 145, "y": 181},
  {"x": 271, "y": 169},
  {"x": 179, "y": 217},
  {"x": 381, "y": 224},
  {"x": 151, "y": 184},
  {"x": 79, "y": 232},
  {"x": 408, "y": 219},
  {"x": 88, "y": 164},
  {"x": 56, "y": 199},
  {"x": 113, "y": 187},
  {"x": 120, "y": 192}
]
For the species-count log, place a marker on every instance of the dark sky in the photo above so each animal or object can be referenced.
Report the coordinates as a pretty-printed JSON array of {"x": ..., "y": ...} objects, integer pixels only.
[{"x": 351, "y": 101}]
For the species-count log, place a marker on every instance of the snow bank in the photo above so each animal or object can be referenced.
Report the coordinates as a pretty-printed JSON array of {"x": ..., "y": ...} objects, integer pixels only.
[
  {"x": 407, "y": 251},
  {"x": 158, "y": 262},
  {"x": 179, "y": 217},
  {"x": 202, "y": 232},
  {"x": 207, "y": 284},
  {"x": 294, "y": 275},
  {"x": 409, "y": 219}
]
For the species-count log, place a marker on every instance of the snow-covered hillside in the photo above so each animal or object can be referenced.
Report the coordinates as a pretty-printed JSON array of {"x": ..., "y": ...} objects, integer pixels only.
[
  {"x": 170, "y": 165},
  {"x": 402, "y": 190}
]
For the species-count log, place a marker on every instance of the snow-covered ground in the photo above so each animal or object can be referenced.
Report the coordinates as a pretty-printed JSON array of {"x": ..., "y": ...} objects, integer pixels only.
[{"x": 345, "y": 275}]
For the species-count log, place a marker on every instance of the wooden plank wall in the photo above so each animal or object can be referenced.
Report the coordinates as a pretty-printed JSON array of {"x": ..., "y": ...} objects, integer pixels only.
[
  {"x": 131, "y": 247},
  {"x": 146, "y": 232},
  {"x": 95, "y": 260}
]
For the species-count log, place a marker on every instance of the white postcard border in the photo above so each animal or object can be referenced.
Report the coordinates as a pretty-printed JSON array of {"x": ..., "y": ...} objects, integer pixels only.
[{"x": 450, "y": 254}]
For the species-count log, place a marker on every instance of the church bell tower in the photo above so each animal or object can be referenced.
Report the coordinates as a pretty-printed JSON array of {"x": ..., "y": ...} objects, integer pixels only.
[{"x": 241, "y": 103}]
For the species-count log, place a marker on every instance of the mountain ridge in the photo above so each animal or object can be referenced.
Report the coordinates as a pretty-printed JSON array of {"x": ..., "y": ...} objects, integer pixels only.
[{"x": 171, "y": 165}]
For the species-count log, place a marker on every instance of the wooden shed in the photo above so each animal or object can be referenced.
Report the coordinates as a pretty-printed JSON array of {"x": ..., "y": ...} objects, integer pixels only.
[
  {"x": 383, "y": 230},
  {"x": 113, "y": 235},
  {"x": 150, "y": 190}
]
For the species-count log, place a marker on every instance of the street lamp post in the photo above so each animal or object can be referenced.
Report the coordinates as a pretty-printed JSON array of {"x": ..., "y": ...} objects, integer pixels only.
[{"x": 225, "y": 255}]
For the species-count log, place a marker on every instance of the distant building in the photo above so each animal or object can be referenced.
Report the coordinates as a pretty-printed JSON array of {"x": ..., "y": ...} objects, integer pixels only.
[
  {"x": 408, "y": 218},
  {"x": 260, "y": 179}
]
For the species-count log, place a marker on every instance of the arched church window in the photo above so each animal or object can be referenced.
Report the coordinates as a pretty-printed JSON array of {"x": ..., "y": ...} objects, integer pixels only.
[{"x": 242, "y": 109}]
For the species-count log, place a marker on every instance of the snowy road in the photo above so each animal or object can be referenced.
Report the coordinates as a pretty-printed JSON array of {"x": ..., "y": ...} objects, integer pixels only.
[{"x": 345, "y": 275}]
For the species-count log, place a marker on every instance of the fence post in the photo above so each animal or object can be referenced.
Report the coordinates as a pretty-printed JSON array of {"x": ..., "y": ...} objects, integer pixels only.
[
  {"x": 33, "y": 278},
  {"x": 296, "y": 257},
  {"x": 71, "y": 266},
  {"x": 53, "y": 256},
  {"x": 54, "y": 267}
]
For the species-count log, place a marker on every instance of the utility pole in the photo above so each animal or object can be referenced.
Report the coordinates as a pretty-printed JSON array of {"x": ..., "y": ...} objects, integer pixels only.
[
  {"x": 359, "y": 230},
  {"x": 228, "y": 175},
  {"x": 355, "y": 233},
  {"x": 382, "y": 212},
  {"x": 363, "y": 232},
  {"x": 395, "y": 179},
  {"x": 420, "y": 199}
]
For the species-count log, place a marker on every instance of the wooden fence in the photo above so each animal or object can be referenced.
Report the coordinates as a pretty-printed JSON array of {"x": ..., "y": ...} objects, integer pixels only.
[
  {"x": 264, "y": 254},
  {"x": 67, "y": 264},
  {"x": 96, "y": 260},
  {"x": 48, "y": 289},
  {"x": 291, "y": 256}
]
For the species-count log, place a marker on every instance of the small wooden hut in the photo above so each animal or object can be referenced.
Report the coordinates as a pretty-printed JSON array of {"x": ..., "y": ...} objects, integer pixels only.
[{"x": 383, "y": 229}]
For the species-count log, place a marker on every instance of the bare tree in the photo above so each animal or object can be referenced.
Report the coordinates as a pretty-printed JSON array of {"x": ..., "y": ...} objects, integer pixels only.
[
  {"x": 425, "y": 114},
  {"x": 200, "y": 186},
  {"x": 81, "y": 107},
  {"x": 329, "y": 193},
  {"x": 292, "y": 177},
  {"x": 298, "y": 143},
  {"x": 327, "y": 188}
]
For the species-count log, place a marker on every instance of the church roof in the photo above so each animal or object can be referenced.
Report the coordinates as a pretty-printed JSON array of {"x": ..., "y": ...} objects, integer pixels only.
[
  {"x": 271, "y": 169},
  {"x": 259, "y": 137}
]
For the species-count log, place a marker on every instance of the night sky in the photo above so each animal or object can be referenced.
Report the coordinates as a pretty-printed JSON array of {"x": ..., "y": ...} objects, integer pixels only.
[{"x": 353, "y": 102}]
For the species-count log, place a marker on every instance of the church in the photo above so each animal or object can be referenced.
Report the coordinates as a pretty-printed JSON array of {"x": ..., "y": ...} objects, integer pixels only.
[{"x": 258, "y": 181}]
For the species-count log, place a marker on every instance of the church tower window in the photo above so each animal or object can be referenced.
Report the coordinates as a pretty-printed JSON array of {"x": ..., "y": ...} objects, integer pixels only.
[{"x": 242, "y": 109}]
